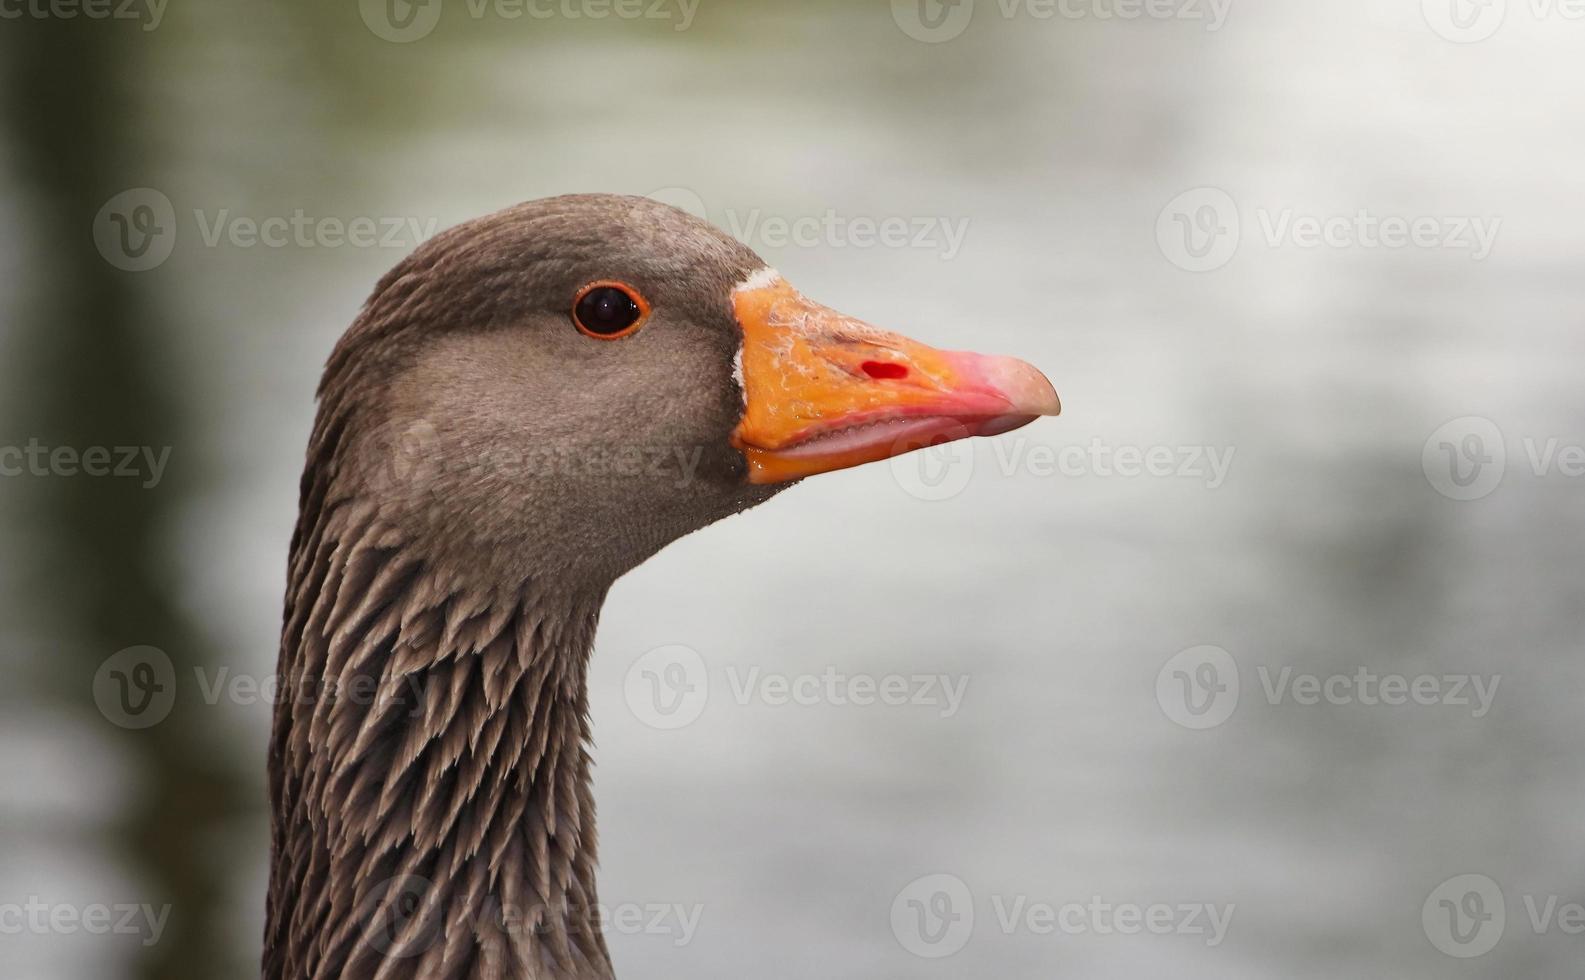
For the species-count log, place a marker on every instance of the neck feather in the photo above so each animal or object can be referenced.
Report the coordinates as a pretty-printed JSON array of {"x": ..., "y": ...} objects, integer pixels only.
[{"x": 429, "y": 772}]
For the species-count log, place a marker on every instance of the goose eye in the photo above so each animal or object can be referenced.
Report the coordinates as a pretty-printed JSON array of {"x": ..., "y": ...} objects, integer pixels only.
[{"x": 609, "y": 310}]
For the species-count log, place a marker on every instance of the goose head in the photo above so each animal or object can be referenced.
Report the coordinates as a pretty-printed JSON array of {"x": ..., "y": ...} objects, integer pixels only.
[
  {"x": 568, "y": 385},
  {"x": 528, "y": 406}
]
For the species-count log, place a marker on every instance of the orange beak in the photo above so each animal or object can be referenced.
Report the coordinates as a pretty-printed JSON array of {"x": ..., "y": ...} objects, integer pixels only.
[{"x": 825, "y": 391}]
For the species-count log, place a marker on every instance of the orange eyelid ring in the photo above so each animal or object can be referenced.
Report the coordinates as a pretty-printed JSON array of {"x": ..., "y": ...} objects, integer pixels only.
[
  {"x": 628, "y": 290},
  {"x": 823, "y": 391}
]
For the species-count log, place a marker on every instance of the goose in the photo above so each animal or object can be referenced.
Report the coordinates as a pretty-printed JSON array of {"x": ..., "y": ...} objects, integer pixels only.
[{"x": 527, "y": 406}]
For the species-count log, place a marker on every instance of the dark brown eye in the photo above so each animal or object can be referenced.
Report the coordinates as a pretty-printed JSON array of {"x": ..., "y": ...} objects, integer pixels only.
[{"x": 609, "y": 310}]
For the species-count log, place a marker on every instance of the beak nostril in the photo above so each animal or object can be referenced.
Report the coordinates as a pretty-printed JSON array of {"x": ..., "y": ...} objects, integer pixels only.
[{"x": 884, "y": 370}]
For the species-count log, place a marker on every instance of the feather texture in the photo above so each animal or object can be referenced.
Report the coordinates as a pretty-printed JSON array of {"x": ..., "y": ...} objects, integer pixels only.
[{"x": 434, "y": 817}]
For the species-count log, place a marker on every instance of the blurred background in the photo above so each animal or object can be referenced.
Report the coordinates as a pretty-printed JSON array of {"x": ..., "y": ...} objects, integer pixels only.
[{"x": 1333, "y": 249}]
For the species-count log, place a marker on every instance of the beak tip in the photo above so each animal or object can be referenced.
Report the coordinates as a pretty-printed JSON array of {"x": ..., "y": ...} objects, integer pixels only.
[{"x": 1029, "y": 391}]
